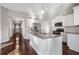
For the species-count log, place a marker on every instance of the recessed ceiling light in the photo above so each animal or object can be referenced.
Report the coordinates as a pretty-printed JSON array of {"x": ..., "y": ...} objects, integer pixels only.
[{"x": 42, "y": 11}]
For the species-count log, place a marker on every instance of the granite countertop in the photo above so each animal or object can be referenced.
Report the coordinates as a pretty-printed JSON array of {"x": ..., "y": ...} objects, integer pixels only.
[{"x": 45, "y": 35}]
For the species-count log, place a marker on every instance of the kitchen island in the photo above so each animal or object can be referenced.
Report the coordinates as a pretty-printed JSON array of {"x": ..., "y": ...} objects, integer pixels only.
[{"x": 46, "y": 44}]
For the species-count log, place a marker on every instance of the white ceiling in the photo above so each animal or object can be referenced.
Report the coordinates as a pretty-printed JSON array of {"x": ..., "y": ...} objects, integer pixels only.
[
  {"x": 53, "y": 8},
  {"x": 22, "y": 7}
]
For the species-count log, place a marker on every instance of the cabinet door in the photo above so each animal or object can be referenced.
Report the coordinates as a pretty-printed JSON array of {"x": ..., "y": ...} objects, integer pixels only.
[
  {"x": 73, "y": 42},
  {"x": 69, "y": 20},
  {"x": 76, "y": 15}
]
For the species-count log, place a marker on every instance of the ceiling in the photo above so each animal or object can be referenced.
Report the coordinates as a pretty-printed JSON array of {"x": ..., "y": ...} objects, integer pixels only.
[{"x": 53, "y": 8}]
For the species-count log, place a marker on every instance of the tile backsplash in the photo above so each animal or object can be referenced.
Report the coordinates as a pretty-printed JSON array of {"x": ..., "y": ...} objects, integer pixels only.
[{"x": 73, "y": 29}]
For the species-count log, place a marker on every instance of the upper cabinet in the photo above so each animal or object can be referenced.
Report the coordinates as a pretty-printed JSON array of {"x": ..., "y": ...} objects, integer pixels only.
[
  {"x": 68, "y": 20},
  {"x": 76, "y": 15},
  {"x": 57, "y": 20}
]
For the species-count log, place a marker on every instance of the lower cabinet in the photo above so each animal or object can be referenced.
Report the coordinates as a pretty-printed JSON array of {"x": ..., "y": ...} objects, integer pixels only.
[
  {"x": 49, "y": 46},
  {"x": 73, "y": 42}
]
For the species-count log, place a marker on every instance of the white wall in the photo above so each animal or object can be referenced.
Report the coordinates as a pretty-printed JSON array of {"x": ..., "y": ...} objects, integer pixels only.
[
  {"x": 7, "y": 26},
  {"x": 10, "y": 26},
  {"x": 27, "y": 28},
  {"x": 4, "y": 25},
  {"x": 0, "y": 24}
]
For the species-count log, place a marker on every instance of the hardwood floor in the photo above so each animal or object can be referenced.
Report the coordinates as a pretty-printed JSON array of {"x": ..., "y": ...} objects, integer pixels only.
[
  {"x": 28, "y": 49},
  {"x": 24, "y": 50},
  {"x": 24, "y": 47},
  {"x": 67, "y": 51}
]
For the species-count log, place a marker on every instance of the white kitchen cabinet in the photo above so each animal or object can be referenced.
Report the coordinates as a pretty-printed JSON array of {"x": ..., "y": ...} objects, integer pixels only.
[
  {"x": 68, "y": 20},
  {"x": 39, "y": 45},
  {"x": 57, "y": 19},
  {"x": 48, "y": 46},
  {"x": 55, "y": 46},
  {"x": 76, "y": 15},
  {"x": 73, "y": 42}
]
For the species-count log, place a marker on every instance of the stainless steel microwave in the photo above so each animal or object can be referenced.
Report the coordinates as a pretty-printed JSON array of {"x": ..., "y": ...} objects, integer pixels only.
[{"x": 59, "y": 24}]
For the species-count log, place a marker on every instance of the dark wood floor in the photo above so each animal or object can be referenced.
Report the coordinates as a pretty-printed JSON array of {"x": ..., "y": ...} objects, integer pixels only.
[
  {"x": 24, "y": 46},
  {"x": 67, "y": 51},
  {"x": 26, "y": 49}
]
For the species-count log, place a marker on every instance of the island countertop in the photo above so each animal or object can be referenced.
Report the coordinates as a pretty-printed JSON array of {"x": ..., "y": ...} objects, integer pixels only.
[
  {"x": 45, "y": 35},
  {"x": 46, "y": 44}
]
